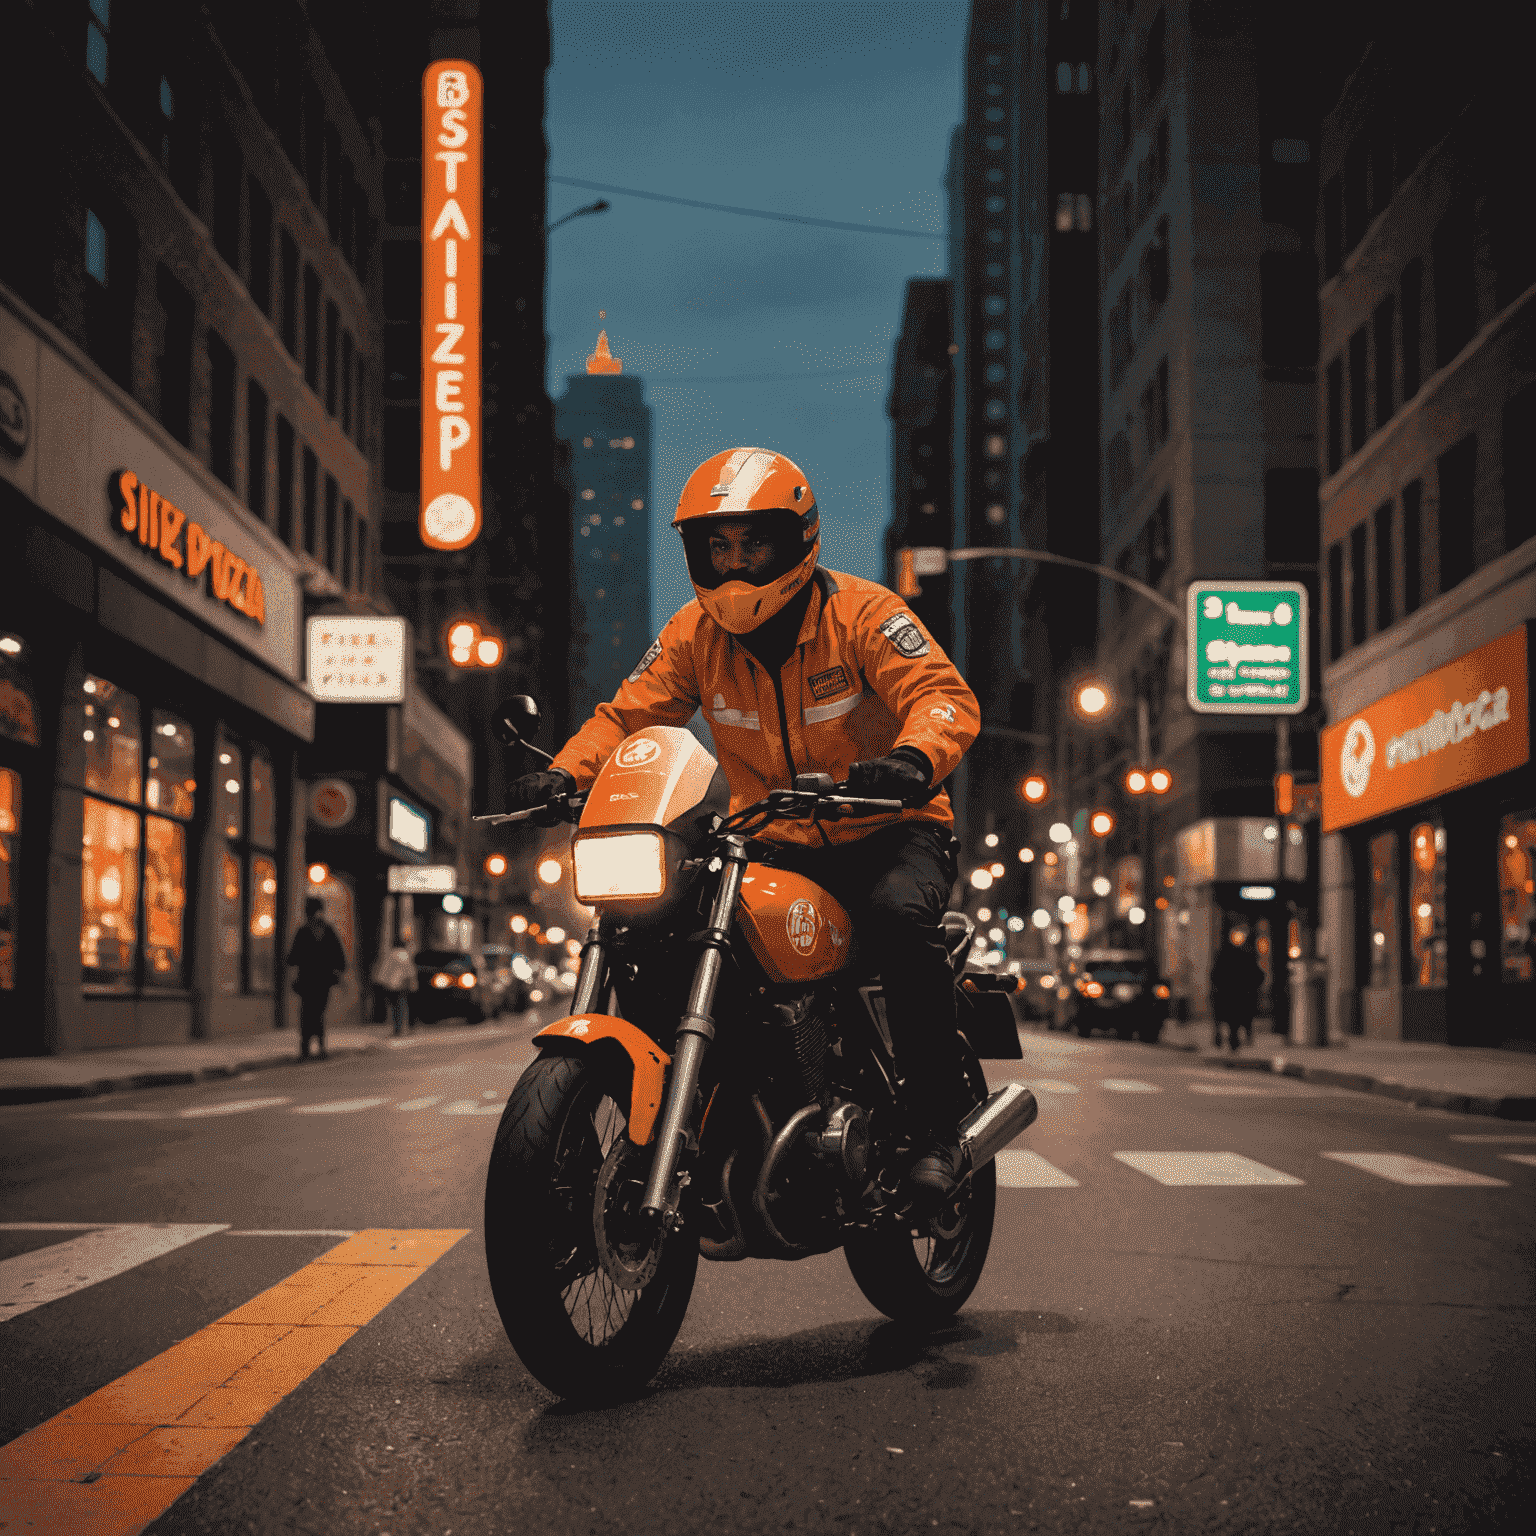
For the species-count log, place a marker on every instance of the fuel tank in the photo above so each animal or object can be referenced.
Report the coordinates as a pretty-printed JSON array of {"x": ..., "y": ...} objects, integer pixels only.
[{"x": 797, "y": 930}]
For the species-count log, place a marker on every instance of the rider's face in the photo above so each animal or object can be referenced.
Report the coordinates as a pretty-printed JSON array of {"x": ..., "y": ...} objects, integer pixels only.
[{"x": 739, "y": 548}]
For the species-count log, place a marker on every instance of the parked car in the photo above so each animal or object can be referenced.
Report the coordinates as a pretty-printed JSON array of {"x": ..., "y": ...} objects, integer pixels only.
[
  {"x": 1118, "y": 990},
  {"x": 447, "y": 987},
  {"x": 506, "y": 988}
]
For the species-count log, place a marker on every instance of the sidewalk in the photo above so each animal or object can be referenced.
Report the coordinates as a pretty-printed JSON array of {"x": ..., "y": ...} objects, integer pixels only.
[
  {"x": 1466, "y": 1079},
  {"x": 85, "y": 1074}
]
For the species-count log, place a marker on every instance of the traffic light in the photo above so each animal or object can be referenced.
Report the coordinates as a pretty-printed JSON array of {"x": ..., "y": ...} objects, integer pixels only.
[
  {"x": 1143, "y": 781},
  {"x": 1285, "y": 793},
  {"x": 1101, "y": 823},
  {"x": 1035, "y": 789},
  {"x": 471, "y": 645},
  {"x": 1136, "y": 781},
  {"x": 907, "y": 584},
  {"x": 1160, "y": 781}
]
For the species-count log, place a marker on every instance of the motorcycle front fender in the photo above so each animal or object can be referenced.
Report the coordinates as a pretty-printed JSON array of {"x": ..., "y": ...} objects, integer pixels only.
[{"x": 579, "y": 1031}]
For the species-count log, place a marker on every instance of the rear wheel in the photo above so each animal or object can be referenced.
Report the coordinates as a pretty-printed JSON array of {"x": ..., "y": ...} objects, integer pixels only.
[{"x": 590, "y": 1305}]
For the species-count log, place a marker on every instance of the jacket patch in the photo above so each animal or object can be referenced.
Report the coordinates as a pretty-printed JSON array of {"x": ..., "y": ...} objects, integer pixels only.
[
  {"x": 824, "y": 684},
  {"x": 646, "y": 661},
  {"x": 902, "y": 631}
]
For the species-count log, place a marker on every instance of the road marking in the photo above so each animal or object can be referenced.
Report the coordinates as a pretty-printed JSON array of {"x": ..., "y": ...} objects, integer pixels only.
[
  {"x": 1028, "y": 1170},
  {"x": 470, "y": 1107},
  {"x": 47, "y": 1274},
  {"x": 54, "y": 1226},
  {"x": 1400, "y": 1168},
  {"x": 148, "y": 1436},
  {"x": 1050, "y": 1085},
  {"x": 1279, "y": 1090},
  {"x": 1203, "y": 1168},
  {"x": 292, "y": 1232},
  {"x": 338, "y": 1107},
  {"x": 426, "y": 1103},
  {"x": 1528, "y": 1158},
  {"x": 124, "y": 1114},
  {"x": 1128, "y": 1085},
  {"x": 1498, "y": 1141},
  {"x": 232, "y": 1107}
]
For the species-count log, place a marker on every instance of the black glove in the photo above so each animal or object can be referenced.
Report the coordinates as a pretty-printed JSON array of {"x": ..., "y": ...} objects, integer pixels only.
[
  {"x": 904, "y": 775},
  {"x": 536, "y": 789}
]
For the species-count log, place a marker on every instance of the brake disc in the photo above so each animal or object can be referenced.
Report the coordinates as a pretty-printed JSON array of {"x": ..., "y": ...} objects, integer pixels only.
[{"x": 628, "y": 1246}]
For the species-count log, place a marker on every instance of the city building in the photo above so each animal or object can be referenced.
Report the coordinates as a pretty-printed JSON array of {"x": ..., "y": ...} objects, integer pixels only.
[
  {"x": 1206, "y": 192},
  {"x": 1427, "y": 393},
  {"x": 605, "y": 423},
  {"x": 188, "y": 422}
]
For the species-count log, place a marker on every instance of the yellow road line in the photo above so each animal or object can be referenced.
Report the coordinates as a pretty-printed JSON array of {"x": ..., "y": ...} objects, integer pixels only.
[{"x": 121, "y": 1457}]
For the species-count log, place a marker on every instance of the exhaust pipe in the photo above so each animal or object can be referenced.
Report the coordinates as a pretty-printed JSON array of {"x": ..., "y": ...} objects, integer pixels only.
[{"x": 991, "y": 1126}]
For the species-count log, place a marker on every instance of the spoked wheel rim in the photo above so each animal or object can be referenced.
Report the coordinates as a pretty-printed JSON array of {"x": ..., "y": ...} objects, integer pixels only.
[
  {"x": 595, "y": 1304},
  {"x": 942, "y": 1246}
]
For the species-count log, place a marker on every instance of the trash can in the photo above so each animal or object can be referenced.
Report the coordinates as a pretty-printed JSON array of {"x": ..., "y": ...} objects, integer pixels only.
[{"x": 1309, "y": 1015}]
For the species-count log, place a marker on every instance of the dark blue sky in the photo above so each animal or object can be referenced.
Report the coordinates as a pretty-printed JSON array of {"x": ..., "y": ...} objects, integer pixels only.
[{"x": 841, "y": 109}]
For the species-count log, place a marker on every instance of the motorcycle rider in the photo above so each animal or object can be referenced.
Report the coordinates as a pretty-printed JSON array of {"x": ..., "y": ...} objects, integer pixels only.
[{"x": 804, "y": 670}]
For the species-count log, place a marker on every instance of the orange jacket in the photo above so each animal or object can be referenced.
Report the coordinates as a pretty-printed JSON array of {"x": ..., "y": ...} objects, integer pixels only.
[{"x": 865, "y": 677}]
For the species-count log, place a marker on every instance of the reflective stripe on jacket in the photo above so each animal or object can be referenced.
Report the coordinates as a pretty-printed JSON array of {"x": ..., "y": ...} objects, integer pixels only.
[{"x": 864, "y": 677}]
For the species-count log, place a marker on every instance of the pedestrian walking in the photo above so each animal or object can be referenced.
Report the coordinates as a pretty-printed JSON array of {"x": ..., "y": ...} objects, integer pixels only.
[
  {"x": 317, "y": 955},
  {"x": 1235, "y": 981},
  {"x": 395, "y": 972}
]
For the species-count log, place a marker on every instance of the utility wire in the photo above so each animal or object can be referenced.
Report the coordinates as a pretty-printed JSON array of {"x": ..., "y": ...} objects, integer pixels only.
[
  {"x": 751, "y": 213},
  {"x": 757, "y": 378}
]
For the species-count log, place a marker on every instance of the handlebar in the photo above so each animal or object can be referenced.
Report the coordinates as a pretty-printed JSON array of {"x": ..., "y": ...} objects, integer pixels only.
[{"x": 561, "y": 808}]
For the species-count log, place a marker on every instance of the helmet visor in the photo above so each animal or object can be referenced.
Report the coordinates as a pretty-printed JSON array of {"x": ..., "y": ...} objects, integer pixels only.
[{"x": 785, "y": 530}]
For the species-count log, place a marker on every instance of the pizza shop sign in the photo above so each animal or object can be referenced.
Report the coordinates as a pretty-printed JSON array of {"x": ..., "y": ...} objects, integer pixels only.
[{"x": 142, "y": 513}]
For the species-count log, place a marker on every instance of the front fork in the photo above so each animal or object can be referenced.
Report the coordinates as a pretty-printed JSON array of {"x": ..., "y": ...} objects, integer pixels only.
[{"x": 694, "y": 1033}]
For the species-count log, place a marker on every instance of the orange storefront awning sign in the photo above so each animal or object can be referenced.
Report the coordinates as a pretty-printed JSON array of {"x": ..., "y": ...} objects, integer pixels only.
[{"x": 1457, "y": 725}]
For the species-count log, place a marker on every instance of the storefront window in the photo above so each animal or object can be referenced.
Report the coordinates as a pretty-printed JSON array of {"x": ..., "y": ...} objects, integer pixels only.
[
  {"x": 170, "y": 787},
  {"x": 112, "y": 745},
  {"x": 165, "y": 900},
  {"x": 109, "y": 891},
  {"x": 263, "y": 803},
  {"x": 1517, "y": 895},
  {"x": 246, "y": 918},
  {"x": 1426, "y": 905},
  {"x": 1386, "y": 947},
  {"x": 263, "y": 907},
  {"x": 18, "y": 708},
  {"x": 10, "y": 842},
  {"x": 229, "y": 797}
]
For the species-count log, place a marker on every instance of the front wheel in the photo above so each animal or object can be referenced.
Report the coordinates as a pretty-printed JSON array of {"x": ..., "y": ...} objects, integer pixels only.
[{"x": 590, "y": 1309}]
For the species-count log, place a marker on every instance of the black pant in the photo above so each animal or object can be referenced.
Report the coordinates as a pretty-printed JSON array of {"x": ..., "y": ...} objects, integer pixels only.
[
  {"x": 312, "y": 1020},
  {"x": 895, "y": 884}
]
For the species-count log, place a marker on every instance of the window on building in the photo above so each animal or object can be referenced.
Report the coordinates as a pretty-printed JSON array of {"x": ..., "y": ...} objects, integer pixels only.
[
  {"x": 1333, "y": 226},
  {"x": 333, "y": 183},
  {"x": 1386, "y": 897},
  {"x": 221, "y": 409},
  {"x": 402, "y": 360},
  {"x": 347, "y": 534},
  {"x": 138, "y": 799},
  {"x": 1513, "y": 239},
  {"x": 314, "y": 144},
  {"x": 1121, "y": 341},
  {"x": 1154, "y": 409},
  {"x": 332, "y": 327},
  {"x": 111, "y": 264},
  {"x": 360, "y": 566},
  {"x": 1517, "y": 896},
  {"x": 1428, "y": 946},
  {"x": 346, "y": 201},
  {"x": 1359, "y": 391},
  {"x": 1381, "y": 523},
  {"x": 10, "y": 854},
  {"x": 346, "y": 382},
  {"x": 1357, "y": 584},
  {"x": 332, "y": 539},
  {"x": 1335, "y": 600},
  {"x": 1125, "y": 118},
  {"x": 401, "y": 437},
  {"x": 98, "y": 28},
  {"x": 1290, "y": 518},
  {"x": 1334, "y": 392},
  {"x": 1288, "y": 309},
  {"x": 228, "y": 173},
  {"x": 1119, "y": 470},
  {"x": 1519, "y": 466},
  {"x": 256, "y": 448},
  {"x": 175, "y": 359},
  {"x": 1412, "y": 291},
  {"x": 285, "y": 481},
  {"x": 360, "y": 405},
  {"x": 311, "y": 494},
  {"x": 1157, "y": 540},
  {"x": 311, "y": 329},
  {"x": 1381, "y": 333},
  {"x": 290, "y": 279},
  {"x": 1452, "y": 252},
  {"x": 261, "y": 246},
  {"x": 1356, "y": 200},
  {"x": 1154, "y": 274},
  {"x": 1457, "y": 468},
  {"x": 1413, "y": 578},
  {"x": 1154, "y": 62}
]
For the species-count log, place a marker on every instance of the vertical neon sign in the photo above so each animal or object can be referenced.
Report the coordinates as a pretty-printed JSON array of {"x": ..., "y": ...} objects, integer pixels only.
[{"x": 452, "y": 238}]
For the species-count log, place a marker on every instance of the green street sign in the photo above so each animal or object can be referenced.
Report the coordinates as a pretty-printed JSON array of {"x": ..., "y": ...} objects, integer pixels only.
[{"x": 1247, "y": 647}]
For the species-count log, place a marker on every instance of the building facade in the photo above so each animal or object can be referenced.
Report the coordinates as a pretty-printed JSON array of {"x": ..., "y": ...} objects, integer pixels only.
[
  {"x": 605, "y": 423},
  {"x": 1427, "y": 396}
]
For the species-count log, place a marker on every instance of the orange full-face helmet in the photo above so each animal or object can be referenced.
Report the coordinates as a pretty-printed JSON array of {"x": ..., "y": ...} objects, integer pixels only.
[{"x": 763, "y": 485}]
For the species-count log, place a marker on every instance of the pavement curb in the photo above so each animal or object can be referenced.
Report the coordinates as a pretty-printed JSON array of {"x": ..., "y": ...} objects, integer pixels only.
[{"x": 1509, "y": 1107}]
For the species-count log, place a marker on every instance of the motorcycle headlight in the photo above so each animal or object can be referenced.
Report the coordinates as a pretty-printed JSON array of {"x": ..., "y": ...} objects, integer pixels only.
[
  {"x": 467, "y": 980},
  {"x": 627, "y": 864}
]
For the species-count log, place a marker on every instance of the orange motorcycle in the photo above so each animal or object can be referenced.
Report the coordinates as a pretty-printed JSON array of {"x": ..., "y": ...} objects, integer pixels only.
[{"x": 724, "y": 1084}]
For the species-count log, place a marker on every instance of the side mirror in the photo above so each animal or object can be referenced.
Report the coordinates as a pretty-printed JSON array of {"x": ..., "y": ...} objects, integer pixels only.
[{"x": 516, "y": 719}]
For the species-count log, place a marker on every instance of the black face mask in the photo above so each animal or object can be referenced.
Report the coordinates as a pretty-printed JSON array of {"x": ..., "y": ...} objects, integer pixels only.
[{"x": 783, "y": 528}]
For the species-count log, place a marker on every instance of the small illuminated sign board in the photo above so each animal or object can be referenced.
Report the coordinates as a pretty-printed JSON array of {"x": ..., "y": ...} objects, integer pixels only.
[
  {"x": 1256, "y": 892},
  {"x": 452, "y": 239},
  {"x": 433, "y": 879},
  {"x": 356, "y": 660},
  {"x": 407, "y": 826},
  {"x": 1247, "y": 647}
]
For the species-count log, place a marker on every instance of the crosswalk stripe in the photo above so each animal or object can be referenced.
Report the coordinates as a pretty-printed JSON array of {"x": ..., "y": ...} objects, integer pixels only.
[
  {"x": 1497, "y": 1141},
  {"x": 1401, "y": 1168},
  {"x": 1049, "y": 1085},
  {"x": 470, "y": 1107},
  {"x": 123, "y": 1114},
  {"x": 338, "y": 1107},
  {"x": 1028, "y": 1170},
  {"x": 1203, "y": 1168},
  {"x": 232, "y": 1107},
  {"x": 1128, "y": 1085},
  {"x": 47, "y": 1274},
  {"x": 145, "y": 1439},
  {"x": 1528, "y": 1158},
  {"x": 426, "y": 1103}
]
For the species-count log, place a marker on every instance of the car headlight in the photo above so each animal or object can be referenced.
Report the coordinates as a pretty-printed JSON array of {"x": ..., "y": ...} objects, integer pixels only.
[
  {"x": 624, "y": 865},
  {"x": 1093, "y": 988},
  {"x": 467, "y": 979},
  {"x": 1125, "y": 991},
  {"x": 442, "y": 979}
]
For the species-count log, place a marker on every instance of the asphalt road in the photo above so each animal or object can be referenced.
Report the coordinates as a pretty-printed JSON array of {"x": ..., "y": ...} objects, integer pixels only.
[{"x": 1317, "y": 1347}]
